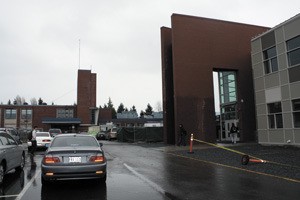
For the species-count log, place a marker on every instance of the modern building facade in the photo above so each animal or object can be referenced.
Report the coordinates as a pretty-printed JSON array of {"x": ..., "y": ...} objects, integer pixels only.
[
  {"x": 276, "y": 73},
  {"x": 192, "y": 49},
  {"x": 66, "y": 117}
]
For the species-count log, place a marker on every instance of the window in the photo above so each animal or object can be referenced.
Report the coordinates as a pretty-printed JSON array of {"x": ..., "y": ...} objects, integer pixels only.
[
  {"x": 65, "y": 113},
  {"x": 10, "y": 114},
  {"x": 26, "y": 114},
  {"x": 293, "y": 51},
  {"x": 93, "y": 113},
  {"x": 296, "y": 113},
  {"x": 275, "y": 115},
  {"x": 227, "y": 82},
  {"x": 270, "y": 60}
]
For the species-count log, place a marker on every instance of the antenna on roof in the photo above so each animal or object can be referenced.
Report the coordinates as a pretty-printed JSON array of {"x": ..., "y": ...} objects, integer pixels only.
[{"x": 79, "y": 55}]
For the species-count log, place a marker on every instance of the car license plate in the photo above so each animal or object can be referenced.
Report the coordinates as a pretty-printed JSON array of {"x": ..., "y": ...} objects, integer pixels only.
[{"x": 74, "y": 159}]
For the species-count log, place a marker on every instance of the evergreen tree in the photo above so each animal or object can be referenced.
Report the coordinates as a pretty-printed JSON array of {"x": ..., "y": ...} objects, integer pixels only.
[
  {"x": 120, "y": 108},
  {"x": 142, "y": 113},
  {"x": 149, "y": 110},
  {"x": 40, "y": 101},
  {"x": 133, "y": 108},
  {"x": 111, "y": 106}
]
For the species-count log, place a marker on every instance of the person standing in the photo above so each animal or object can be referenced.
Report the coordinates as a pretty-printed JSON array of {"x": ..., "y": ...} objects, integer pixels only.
[
  {"x": 182, "y": 136},
  {"x": 33, "y": 141},
  {"x": 233, "y": 133}
]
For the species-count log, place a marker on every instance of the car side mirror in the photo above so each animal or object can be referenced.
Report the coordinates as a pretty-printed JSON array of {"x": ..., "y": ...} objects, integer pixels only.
[{"x": 101, "y": 144}]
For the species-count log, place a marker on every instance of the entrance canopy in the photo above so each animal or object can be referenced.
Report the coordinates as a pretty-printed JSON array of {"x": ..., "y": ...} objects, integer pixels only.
[{"x": 53, "y": 120}]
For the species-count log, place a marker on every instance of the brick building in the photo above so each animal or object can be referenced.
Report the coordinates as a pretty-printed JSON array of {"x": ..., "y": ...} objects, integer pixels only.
[
  {"x": 192, "y": 49},
  {"x": 67, "y": 117}
]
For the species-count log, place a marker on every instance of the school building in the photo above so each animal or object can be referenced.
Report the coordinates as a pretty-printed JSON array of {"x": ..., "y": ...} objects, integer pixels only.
[
  {"x": 262, "y": 100},
  {"x": 69, "y": 118},
  {"x": 276, "y": 72}
]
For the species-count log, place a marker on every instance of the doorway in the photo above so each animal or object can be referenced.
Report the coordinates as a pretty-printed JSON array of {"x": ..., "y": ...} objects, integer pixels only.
[{"x": 228, "y": 103}]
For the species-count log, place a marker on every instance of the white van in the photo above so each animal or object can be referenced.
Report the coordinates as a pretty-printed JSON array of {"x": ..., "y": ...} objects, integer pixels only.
[{"x": 112, "y": 134}]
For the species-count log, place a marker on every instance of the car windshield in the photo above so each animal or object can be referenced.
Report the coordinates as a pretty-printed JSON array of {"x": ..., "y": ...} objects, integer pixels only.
[
  {"x": 40, "y": 134},
  {"x": 73, "y": 141}
]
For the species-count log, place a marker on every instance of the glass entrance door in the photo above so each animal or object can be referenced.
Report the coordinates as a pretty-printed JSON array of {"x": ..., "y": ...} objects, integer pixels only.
[
  {"x": 228, "y": 124},
  {"x": 228, "y": 102}
]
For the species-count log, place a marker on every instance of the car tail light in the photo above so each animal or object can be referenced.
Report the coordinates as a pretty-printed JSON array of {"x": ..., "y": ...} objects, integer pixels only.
[
  {"x": 50, "y": 159},
  {"x": 97, "y": 158}
]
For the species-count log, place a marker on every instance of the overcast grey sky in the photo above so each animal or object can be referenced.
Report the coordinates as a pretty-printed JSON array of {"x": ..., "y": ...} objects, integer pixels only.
[{"x": 120, "y": 41}]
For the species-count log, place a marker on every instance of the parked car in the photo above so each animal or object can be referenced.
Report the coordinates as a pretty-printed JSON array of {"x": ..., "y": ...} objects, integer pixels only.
[
  {"x": 13, "y": 132},
  {"x": 54, "y": 131},
  {"x": 112, "y": 134},
  {"x": 43, "y": 139},
  {"x": 73, "y": 156},
  {"x": 101, "y": 136},
  {"x": 12, "y": 155}
]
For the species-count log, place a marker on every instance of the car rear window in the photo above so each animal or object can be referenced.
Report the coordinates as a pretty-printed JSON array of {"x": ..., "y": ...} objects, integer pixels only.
[
  {"x": 73, "y": 141},
  {"x": 42, "y": 134}
]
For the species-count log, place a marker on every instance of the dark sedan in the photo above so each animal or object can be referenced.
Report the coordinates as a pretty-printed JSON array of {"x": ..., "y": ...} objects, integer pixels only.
[
  {"x": 74, "y": 156},
  {"x": 12, "y": 155}
]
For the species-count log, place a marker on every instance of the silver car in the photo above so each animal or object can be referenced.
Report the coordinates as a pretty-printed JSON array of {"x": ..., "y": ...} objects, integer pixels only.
[
  {"x": 73, "y": 156},
  {"x": 12, "y": 155}
]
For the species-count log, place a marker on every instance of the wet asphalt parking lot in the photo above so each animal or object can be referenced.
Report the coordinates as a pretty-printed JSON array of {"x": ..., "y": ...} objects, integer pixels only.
[{"x": 157, "y": 171}]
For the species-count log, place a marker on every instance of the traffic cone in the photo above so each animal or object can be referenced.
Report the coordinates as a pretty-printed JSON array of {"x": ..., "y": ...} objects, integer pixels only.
[
  {"x": 191, "y": 144},
  {"x": 246, "y": 159}
]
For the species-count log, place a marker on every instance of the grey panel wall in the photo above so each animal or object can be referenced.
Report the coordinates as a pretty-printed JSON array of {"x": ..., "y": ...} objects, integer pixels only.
[
  {"x": 268, "y": 40},
  {"x": 263, "y": 136},
  {"x": 272, "y": 80},
  {"x": 292, "y": 29},
  {"x": 285, "y": 92},
  {"x": 295, "y": 90},
  {"x": 286, "y": 78}
]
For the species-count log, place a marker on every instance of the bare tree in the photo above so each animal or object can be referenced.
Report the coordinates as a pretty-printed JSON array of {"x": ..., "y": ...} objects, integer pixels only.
[
  {"x": 33, "y": 101},
  {"x": 23, "y": 101},
  {"x": 18, "y": 100},
  {"x": 158, "y": 106}
]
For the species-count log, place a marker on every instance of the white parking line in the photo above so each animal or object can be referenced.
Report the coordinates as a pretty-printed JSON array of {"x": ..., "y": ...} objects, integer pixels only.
[
  {"x": 143, "y": 178},
  {"x": 7, "y": 196},
  {"x": 38, "y": 172}
]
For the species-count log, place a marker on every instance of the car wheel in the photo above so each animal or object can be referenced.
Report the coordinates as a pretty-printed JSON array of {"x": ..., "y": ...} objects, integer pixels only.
[
  {"x": 101, "y": 180},
  {"x": 44, "y": 181},
  {"x": 1, "y": 173},
  {"x": 22, "y": 164}
]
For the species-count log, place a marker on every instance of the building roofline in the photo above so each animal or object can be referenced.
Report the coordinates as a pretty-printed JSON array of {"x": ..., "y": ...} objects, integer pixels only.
[
  {"x": 218, "y": 20},
  {"x": 275, "y": 27}
]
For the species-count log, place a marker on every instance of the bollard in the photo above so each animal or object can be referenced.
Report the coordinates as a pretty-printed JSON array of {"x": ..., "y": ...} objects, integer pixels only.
[{"x": 191, "y": 144}]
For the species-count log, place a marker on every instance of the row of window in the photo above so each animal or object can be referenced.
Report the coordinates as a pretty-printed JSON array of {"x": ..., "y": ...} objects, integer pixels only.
[
  {"x": 293, "y": 54},
  {"x": 27, "y": 113},
  {"x": 275, "y": 114}
]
